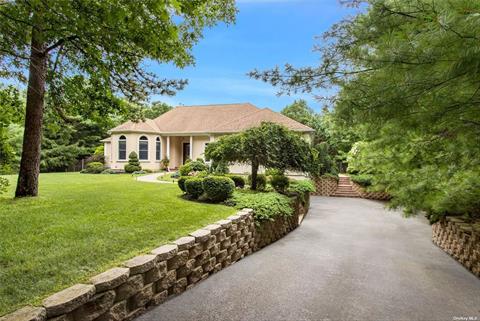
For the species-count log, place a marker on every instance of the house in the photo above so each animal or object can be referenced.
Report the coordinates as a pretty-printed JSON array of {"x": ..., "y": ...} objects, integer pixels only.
[{"x": 185, "y": 131}]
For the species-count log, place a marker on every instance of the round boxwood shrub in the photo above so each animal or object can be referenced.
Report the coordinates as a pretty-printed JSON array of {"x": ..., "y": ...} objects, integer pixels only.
[
  {"x": 261, "y": 181},
  {"x": 218, "y": 188},
  {"x": 181, "y": 182},
  {"x": 238, "y": 180},
  {"x": 193, "y": 166},
  {"x": 280, "y": 183},
  {"x": 194, "y": 187},
  {"x": 94, "y": 168}
]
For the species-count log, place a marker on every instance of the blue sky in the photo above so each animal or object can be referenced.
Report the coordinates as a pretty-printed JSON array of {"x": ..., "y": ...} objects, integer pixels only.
[{"x": 267, "y": 33}]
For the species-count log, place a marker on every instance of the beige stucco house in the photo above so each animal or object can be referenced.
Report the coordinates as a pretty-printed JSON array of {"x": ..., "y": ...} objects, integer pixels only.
[{"x": 184, "y": 132}]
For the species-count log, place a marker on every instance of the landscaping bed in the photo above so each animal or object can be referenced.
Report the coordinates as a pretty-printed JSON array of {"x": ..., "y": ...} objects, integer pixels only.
[{"x": 83, "y": 224}]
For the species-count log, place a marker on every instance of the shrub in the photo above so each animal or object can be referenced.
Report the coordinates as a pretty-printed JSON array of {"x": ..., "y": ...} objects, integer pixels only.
[
  {"x": 109, "y": 171},
  {"x": 238, "y": 180},
  {"x": 193, "y": 166},
  {"x": 273, "y": 172},
  {"x": 94, "y": 168},
  {"x": 140, "y": 172},
  {"x": 218, "y": 188},
  {"x": 164, "y": 163},
  {"x": 362, "y": 179},
  {"x": 301, "y": 186},
  {"x": 194, "y": 187},
  {"x": 3, "y": 185},
  {"x": 219, "y": 168},
  {"x": 279, "y": 183},
  {"x": 261, "y": 181},
  {"x": 181, "y": 182},
  {"x": 175, "y": 175},
  {"x": 133, "y": 163},
  {"x": 266, "y": 206}
]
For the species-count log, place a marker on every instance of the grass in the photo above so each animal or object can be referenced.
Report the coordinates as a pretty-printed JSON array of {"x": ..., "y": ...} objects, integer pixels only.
[{"x": 83, "y": 224}]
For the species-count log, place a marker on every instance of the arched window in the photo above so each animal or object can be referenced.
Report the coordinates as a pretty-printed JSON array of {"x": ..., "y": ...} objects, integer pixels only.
[
  {"x": 143, "y": 148},
  {"x": 122, "y": 148},
  {"x": 158, "y": 149}
]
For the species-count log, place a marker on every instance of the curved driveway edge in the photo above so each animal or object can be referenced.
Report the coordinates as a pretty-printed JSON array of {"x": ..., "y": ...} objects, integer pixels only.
[{"x": 350, "y": 260}]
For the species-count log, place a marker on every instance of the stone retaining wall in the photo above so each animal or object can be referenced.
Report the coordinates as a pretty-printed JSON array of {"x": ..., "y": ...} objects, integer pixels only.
[
  {"x": 122, "y": 293},
  {"x": 459, "y": 239},
  {"x": 325, "y": 186},
  {"x": 268, "y": 232},
  {"x": 380, "y": 196}
]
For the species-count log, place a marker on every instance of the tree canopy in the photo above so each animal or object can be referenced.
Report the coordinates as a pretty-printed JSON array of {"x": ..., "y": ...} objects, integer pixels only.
[
  {"x": 408, "y": 73},
  {"x": 269, "y": 145},
  {"x": 108, "y": 42}
]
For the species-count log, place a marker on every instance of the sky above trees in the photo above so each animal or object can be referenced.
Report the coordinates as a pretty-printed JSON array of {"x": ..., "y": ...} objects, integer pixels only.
[{"x": 267, "y": 33}]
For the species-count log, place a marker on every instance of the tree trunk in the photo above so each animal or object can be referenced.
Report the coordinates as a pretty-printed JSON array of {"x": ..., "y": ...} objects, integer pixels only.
[
  {"x": 254, "y": 175},
  {"x": 27, "y": 184}
]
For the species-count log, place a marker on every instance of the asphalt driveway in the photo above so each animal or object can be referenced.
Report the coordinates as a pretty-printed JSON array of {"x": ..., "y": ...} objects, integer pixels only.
[{"x": 350, "y": 260}]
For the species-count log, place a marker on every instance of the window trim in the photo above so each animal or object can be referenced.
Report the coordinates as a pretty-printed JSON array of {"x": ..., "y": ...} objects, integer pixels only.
[
  {"x": 122, "y": 139},
  {"x": 141, "y": 140}
]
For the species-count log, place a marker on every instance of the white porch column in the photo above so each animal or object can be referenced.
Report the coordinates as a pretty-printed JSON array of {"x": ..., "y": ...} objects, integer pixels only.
[
  {"x": 168, "y": 147},
  {"x": 191, "y": 147}
]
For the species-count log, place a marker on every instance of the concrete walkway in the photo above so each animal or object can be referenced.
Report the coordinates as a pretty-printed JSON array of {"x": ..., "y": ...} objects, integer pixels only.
[
  {"x": 350, "y": 260},
  {"x": 152, "y": 178}
]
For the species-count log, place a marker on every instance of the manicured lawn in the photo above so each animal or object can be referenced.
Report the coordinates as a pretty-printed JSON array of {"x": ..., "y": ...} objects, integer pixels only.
[{"x": 83, "y": 224}]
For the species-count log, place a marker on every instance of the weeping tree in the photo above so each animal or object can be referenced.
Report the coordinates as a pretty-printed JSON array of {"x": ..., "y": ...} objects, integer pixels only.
[
  {"x": 44, "y": 41},
  {"x": 269, "y": 145}
]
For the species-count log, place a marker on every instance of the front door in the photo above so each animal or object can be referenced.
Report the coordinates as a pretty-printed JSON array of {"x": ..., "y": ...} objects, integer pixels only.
[{"x": 186, "y": 152}]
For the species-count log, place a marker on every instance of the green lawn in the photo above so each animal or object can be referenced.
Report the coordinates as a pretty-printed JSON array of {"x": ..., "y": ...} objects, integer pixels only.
[{"x": 83, "y": 224}]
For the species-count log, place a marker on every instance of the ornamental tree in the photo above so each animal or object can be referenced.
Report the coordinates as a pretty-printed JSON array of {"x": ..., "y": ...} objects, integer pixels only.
[
  {"x": 44, "y": 41},
  {"x": 269, "y": 145}
]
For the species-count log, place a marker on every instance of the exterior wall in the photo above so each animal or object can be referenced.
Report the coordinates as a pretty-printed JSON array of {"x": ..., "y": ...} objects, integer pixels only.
[
  {"x": 132, "y": 145},
  {"x": 107, "y": 148},
  {"x": 199, "y": 146},
  {"x": 176, "y": 151}
]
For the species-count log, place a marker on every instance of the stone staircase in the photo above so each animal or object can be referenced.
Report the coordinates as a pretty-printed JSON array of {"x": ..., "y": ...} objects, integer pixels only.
[{"x": 345, "y": 188}]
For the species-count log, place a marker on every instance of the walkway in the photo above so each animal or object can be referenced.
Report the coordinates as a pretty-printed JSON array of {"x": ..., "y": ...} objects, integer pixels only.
[
  {"x": 350, "y": 260},
  {"x": 152, "y": 178}
]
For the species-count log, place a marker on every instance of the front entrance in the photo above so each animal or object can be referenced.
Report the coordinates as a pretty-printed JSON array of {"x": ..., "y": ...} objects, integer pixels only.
[{"x": 186, "y": 152}]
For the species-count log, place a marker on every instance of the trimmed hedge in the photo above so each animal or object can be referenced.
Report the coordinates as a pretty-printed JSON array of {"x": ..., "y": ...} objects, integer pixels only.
[
  {"x": 181, "y": 182},
  {"x": 94, "y": 168},
  {"x": 218, "y": 188},
  {"x": 238, "y": 180},
  {"x": 194, "y": 187},
  {"x": 193, "y": 166}
]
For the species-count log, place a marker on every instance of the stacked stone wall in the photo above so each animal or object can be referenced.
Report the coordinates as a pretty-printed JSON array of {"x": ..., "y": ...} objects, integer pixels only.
[
  {"x": 123, "y": 293},
  {"x": 325, "y": 186},
  {"x": 459, "y": 239},
  {"x": 380, "y": 196}
]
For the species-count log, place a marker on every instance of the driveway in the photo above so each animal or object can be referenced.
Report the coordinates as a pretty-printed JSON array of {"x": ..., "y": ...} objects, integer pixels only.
[{"x": 350, "y": 260}]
